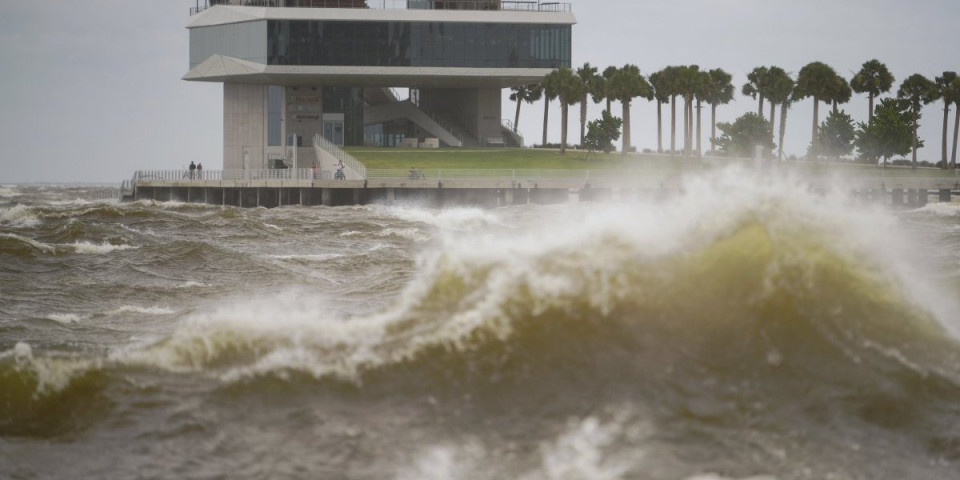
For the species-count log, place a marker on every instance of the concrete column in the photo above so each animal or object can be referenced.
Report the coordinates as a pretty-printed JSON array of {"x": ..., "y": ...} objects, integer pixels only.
[
  {"x": 897, "y": 196},
  {"x": 922, "y": 197},
  {"x": 391, "y": 195},
  {"x": 912, "y": 195},
  {"x": 945, "y": 195},
  {"x": 508, "y": 197},
  {"x": 326, "y": 197},
  {"x": 357, "y": 196}
]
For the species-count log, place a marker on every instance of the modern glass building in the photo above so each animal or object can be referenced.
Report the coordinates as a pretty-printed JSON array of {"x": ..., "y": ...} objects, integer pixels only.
[{"x": 374, "y": 72}]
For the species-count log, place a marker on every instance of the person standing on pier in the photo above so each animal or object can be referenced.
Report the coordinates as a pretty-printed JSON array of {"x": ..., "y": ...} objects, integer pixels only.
[
  {"x": 199, "y": 171},
  {"x": 193, "y": 169}
]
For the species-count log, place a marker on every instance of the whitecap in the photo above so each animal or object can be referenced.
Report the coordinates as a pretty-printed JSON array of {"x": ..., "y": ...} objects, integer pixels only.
[
  {"x": 65, "y": 318},
  {"x": 95, "y": 249},
  {"x": 19, "y": 216},
  {"x": 155, "y": 310}
]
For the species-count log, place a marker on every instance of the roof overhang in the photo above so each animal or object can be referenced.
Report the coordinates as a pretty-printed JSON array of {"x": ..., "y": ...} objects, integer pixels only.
[
  {"x": 225, "y": 14},
  {"x": 219, "y": 68}
]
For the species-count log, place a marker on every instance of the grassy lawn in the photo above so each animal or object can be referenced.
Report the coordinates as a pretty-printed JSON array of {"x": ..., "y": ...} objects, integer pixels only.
[
  {"x": 519, "y": 158},
  {"x": 528, "y": 158}
]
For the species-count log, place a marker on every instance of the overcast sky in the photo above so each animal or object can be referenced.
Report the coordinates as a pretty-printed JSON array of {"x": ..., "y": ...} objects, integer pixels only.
[{"x": 90, "y": 89}]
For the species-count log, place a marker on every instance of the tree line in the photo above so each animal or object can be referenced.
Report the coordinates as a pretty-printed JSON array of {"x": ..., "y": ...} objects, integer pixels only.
[{"x": 891, "y": 128}]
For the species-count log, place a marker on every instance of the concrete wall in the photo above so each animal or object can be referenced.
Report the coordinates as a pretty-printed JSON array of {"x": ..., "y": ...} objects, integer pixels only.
[{"x": 244, "y": 126}]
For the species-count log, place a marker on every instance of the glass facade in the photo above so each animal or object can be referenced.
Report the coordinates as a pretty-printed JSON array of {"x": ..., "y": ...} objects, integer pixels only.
[{"x": 418, "y": 44}]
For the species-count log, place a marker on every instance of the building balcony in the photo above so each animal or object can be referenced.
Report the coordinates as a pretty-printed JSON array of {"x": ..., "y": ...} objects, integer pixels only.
[{"x": 499, "y": 5}]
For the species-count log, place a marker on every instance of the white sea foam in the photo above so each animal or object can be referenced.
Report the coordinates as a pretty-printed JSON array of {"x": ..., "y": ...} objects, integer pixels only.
[
  {"x": 65, "y": 318},
  {"x": 941, "y": 209},
  {"x": 9, "y": 192},
  {"x": 53, "y": 374},
  {"x": 322, "y": 257},
  {"x": 585, "y": 451},
  {"x": 459, "y": 218},
  {"x": 154, "y": 310},
  {"x": 270, "y": 225},
  {"x": 414, "y": 234},
  {"x": 714, "y": 476},
  {"x": 448, "y": 462},
  {"x": 19, "y": 216},
  {"x": 90, "y": 248},
  {"x": 193, "y": 284}
]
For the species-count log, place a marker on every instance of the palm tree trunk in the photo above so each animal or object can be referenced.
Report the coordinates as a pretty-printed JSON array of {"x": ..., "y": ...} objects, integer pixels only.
[
  {"x": 690, "y": 128},
  {"x": 659, "y": 127},
  {"x": 916, "y": 125},
  {"x": 783, "y": 128},
  {"x": 760, "y": 107},
  {"x": 699, "y": 134},
  {"x": 816, "y": 113},
  {"x": 956, "y": 130},
  {"x": 546, "y": 114},
  {"x": 870, "y": 112},
  {"x": 673, "y": 125},
  {"x": 946, "y": 122},
  {"x": 583, "y": 119},
  {"x": 713, "y": 126},
  {"x": 626, "y": 126},
  {"x": 686, "y": 125},
  {"x": 563, "y": 126},
  {"x": 516, "y": 118},
  {"x": 773, "y": 113},
  {"x": 608, "y": 104}
]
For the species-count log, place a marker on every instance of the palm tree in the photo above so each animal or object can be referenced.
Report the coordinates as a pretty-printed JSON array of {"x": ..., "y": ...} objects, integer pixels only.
[
  {"x": 704, "y": 84},
  {"x": 918, "y": 91},
  {"x": 779, "y": 91},
  {"x": 944, "y": 84},
  {"x": 755, "y": 86},
  {"x": 524, "y": 93},
  {"x": 841, "y": 93},
  {"x": 661, "y": 93},
  {"x": 607, "y": 73},
  {"x": 954, "y": 93},
  {"x": 687, "y": 84},
  {"x": 719, "y": 91},
  {"x": 547, "y": 94},
  {"x": 669, "y": 78},
  {"x": 872, "y": 79},
  {"x": 816, "y": 80},
  {"x": 569, "y": 89},
  {"x": 593, "y": 85},
  {"x": 625, "y": 85}
]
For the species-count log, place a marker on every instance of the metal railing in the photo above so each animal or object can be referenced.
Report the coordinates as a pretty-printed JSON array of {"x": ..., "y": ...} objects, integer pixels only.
[
  {"x": 352, "y": 163},
  {"x": 496, "y": 5},
  {"x": 218, "y": 175},
  {"x": 856, "y": 175}
]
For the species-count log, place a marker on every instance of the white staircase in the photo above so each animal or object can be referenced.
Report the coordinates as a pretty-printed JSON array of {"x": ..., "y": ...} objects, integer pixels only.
[{"x": 329, "y": 155}]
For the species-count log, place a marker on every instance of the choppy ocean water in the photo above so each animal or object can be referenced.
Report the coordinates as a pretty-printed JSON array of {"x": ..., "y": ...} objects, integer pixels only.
[{"x": 742, "y": 330}]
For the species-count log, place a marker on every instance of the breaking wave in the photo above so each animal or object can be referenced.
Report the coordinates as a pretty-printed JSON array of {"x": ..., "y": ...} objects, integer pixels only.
[{"x": 771, "y": 280}]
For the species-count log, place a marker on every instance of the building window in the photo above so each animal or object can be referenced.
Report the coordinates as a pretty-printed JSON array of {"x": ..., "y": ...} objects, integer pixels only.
[{"x": 418, "y": 44}]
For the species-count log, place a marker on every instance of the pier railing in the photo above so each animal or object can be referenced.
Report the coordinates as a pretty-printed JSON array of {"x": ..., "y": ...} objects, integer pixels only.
[
  {"x": 218, "y": 175},
  {"x": 858, "y": 176}
]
